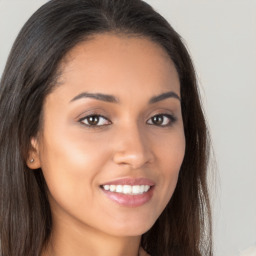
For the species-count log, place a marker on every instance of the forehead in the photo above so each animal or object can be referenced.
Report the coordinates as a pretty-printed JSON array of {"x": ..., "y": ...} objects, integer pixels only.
[
  {"x": 111, "y": 43},
  {"x": 118, "y": 61}
]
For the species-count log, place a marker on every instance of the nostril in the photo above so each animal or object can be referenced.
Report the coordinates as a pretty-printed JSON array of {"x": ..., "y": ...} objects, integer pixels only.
[{"x": 134, "y": 160}]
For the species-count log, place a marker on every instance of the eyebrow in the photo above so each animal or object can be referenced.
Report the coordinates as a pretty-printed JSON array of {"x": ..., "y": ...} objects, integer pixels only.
[
  {"x": 112, "y": 99},
  {"x": 164, "y": 96},
  {"x": 97, "y": 96}
]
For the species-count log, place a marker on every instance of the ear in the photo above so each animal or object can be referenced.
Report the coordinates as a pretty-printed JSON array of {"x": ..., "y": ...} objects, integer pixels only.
[{"x": 33, "y": 160}]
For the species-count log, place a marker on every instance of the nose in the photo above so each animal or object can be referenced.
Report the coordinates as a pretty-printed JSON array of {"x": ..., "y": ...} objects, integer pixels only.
[{"x": 132, "y": 147}]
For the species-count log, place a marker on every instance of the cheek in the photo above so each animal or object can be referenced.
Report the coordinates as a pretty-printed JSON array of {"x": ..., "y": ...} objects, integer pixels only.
[
  {"x": 71, "y": 166},
  {"x": 170, "y": 157},
  {"x": 171, "y": 150}
]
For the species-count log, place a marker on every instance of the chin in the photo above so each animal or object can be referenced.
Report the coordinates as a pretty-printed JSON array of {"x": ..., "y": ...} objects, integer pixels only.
[{"x": 132, "y": 229}]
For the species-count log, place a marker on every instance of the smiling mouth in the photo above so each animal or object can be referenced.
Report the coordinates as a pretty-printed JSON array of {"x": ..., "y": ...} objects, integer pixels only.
[
  {"x": 127, "y": 189},
  {"x": 129, "y": 192}
]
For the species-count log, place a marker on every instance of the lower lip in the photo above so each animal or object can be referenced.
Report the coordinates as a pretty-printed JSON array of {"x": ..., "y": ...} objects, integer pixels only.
[{"x": 130, "y": 200}]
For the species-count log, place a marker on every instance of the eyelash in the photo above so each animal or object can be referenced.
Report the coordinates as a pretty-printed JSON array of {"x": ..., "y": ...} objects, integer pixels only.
[
  {"x": 170, "y": 120},
  {"x": 99, "y": 119}
]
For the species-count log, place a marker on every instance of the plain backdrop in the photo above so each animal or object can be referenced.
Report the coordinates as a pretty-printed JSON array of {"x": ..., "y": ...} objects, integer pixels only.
[{"x": 221, "y": 37}]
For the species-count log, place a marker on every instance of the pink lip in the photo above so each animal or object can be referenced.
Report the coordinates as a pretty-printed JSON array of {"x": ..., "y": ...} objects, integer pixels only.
[{"x": 130, "y": 200}]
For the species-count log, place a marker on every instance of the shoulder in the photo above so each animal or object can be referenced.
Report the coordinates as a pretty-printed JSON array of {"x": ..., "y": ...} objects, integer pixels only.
[
  {"x": 142, "y": 252},
  {"x": 249, "y": 252}
]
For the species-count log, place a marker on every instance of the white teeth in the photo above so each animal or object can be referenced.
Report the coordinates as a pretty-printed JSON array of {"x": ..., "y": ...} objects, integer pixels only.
[
  {"x": 136, "y": 189},
  {"x": 127, "y": 189},
  {"x": 106, "y": 187},
  {"x": 119, "y": 188},
  {"x": 112, "y": 188}
]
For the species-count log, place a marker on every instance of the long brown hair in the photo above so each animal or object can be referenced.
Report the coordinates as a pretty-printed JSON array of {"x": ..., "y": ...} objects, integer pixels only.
[{"x": 184, "y": 227}]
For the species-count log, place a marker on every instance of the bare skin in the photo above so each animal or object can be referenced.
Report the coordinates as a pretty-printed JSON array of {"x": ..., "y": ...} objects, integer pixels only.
[{"x": 133, "y": 132}]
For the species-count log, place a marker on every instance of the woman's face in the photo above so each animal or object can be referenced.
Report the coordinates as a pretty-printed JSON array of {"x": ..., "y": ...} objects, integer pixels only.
[{"x": 112, "y": 140}]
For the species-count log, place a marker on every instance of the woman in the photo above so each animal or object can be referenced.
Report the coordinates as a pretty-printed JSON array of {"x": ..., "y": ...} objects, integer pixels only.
[{"x": 103, "y": 141}]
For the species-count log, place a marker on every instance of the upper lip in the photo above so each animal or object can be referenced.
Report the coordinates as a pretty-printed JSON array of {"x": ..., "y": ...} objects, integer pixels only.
[{"x": 130, "y": 181}]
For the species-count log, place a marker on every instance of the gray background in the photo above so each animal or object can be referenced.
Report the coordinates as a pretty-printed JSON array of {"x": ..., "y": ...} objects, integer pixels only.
[{"x": 221, "y": 36}]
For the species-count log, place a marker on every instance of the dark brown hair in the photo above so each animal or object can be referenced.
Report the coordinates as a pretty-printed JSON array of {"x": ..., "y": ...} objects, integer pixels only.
[{"x": 184, "y": 227}]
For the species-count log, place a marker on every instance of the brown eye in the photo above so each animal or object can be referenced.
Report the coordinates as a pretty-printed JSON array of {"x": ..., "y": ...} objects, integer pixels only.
[
  {"x": 95, "y": 120},
  {"x": 157, "y": 120},
  {"x": 162, "y": 120}
]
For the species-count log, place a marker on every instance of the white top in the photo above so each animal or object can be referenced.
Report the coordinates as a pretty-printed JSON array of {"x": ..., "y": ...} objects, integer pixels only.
[{"x": 249, "y": 252}]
